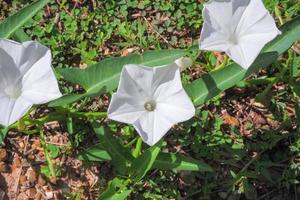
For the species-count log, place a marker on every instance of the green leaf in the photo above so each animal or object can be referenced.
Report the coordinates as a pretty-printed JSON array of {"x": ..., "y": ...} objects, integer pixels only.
[
  {"x": 290, "y": 34},
  {"x": 104, "y": 76},
  {"x": 297, "y": 108},
  {"x": 212, "y": 84},
  {"x": 53, "y": 150},
  {"x": 14, "y": 22},
  {"x": 144, "y": 162},
  {"x": 121, "y": 157},
  {"x": 249, "y": 189},
  {"x": 170, "y": 161},
  {"x": 3, "y": 133},
  {"x": 164, "y": 161},
  {"x": 116, "y": 190},
  {"x": 94, "y": 153},
  {"x": 295, "y": 66},
  {"x": 66, "y": 99},
  {"x": 20, "y": 36}
]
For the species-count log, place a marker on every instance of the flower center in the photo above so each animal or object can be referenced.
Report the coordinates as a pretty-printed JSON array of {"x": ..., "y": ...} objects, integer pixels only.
[
  {"x": 13, "y": 91},
  {"x": 150, "y": 105},
  {"x": 233, "y": 39}
]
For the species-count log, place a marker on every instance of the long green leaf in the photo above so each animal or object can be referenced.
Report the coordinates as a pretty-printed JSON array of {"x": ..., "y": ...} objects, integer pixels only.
[
  {"x": 116, "y": 190},
  {"x": 213, "y": 83},
  {"x": 144, "y": 162},
  {"x": 170, "y": 161},
  {"x": 290, "y": 34},
  {"x": 3, "y": 133},
  {"x": 20, "y": 36},
  {"x": 120, "y": 156},
  {"x": 94, "y": 153},
  {"x": 104, "y": 76},
  {"x": 164, "y": 161},
  {"x": 217, "y": 81},
  {"x": 14, "y": 22}
]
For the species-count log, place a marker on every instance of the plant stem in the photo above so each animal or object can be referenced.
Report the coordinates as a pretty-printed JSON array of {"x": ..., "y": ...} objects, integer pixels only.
[
  {"x": 130, "y": 143},
  {"x": 138, "y": 148},
  {"x": 47, "y": 156},
  {"x": 70, "y": 125},
  {"x": 21, "y": 125}
]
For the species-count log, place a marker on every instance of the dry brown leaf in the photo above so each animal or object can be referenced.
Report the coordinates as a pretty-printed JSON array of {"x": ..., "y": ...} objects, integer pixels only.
[{"x": 230, "y": 120}]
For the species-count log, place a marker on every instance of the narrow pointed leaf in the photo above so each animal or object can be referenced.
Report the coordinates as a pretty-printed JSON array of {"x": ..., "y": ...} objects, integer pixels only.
[
  {"x": 290, "y": 34},
  {"x": 116, "y": 190},
  {"x": 20, "y": 36},
  {"x": 120, "y": 156},
  {"x": 297, "y": 109},
  {"x": 212, "y": 84},
  {"x": 14, "y": 22},
  {"x": 94, "y": 153},
  {"x": 3, "y": 133},
  {"x": 104, "y": 76},
  {"x": 144, "y": 162},
  {"x": 170, "y": 161}
]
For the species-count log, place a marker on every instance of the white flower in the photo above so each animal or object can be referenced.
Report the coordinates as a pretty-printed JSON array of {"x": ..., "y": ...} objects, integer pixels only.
[
  {"x": 26, "y": 78},
  {"x": 151, "y": 99},
  {"x": 241, "y": 28}
]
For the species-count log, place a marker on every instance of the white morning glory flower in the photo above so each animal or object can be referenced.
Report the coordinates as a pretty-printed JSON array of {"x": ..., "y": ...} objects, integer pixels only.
[
  {"x": 26, "y": 78},
  {"x": 241, "y": 28},
  {"x": 151, "y": 99}
]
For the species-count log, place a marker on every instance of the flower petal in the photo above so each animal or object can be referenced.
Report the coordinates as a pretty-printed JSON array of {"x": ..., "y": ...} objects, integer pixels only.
[
  {"x": 218, "y": 26},
  {"x": 249, "y": 48},
  {"x": 176, "y": 108},
  {"x": 152, "y": 126},
  {"x": 136, "y": 80},
  {"x": 9, "y": 73},
  {"x": 24, "y": 54},
  {"x": 125, "y": 108},
  {"x": 33, "y": 52},
  {"x": 166, "y": 81},
  {"x": 230, "y": 24},
  {"x": 39, "y": 82},
  {"x": 12, "y": 109},
  {"x": 237, "y": 54},
  {"x": 212, "y": 40},
  {"x": 13, "y": 49},
  {"x": 213, "y": 14},
  {"x": 256, "y": 13}
]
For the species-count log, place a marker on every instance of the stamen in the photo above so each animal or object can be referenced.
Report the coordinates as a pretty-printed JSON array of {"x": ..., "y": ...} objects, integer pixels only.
[{"x": 150, "y": 105}]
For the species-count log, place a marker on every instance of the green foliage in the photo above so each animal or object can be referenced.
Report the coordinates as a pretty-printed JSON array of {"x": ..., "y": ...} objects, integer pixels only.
[
  {"x": 53, "y": 150},
  {"x": 143, "y": 163},
  {"x": 290, "y": 34},
  {"x": 104, "y": 76},
  {"x": 94, "y": 153},
  {"x": 212, "y": 84},
  {"x": 116, "y": 190},
  {"x": 121, "y": 157},
  {"x": 3, "y": 132},
  {"x": 169, "y": 161},
  {"x": 16, "y": 21}
]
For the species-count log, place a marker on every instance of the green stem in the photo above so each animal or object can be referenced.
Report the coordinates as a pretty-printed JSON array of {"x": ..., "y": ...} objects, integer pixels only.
[
  {"x": 21, "y": 125},
  {"x": 262, "y": 97},
  {"x": 70, "y": 125},
  {"x": 130, "y": 143},
  {"x": 47, "y": 156},
  {"x": 138, "y": 148}
]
